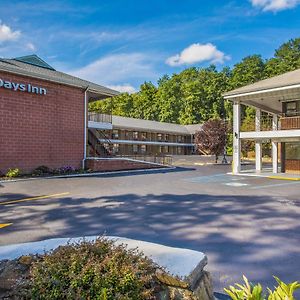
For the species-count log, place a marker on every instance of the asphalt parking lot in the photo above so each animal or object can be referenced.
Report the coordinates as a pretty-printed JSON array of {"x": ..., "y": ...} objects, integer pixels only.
[{"x": 245, "y": 225}]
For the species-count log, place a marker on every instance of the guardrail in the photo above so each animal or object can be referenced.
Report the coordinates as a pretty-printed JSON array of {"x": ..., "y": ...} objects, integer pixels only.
[
  {"x": 98, "y": 117},
  {"x": 158, "y": 159}
]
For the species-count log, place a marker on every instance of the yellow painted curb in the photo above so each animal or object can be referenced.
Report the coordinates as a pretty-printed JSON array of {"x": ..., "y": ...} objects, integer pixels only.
[
  {"x": 4, "y": 225},
  {"x": 284, "y": 178},
  {"x": 34, "y": 198}
]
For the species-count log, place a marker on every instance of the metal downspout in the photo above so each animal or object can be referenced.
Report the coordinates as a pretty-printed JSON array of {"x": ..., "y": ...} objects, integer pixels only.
[{"x": 85, "y": 126}]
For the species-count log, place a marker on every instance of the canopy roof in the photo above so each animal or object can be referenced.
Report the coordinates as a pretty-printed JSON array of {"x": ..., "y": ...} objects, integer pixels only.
[{"x": 269, "y": 94}]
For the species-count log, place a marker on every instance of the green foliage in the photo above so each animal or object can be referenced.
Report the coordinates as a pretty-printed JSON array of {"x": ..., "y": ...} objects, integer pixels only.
[
  {"x": 41, "y": 170},
  {"x": 249, "y": 291},
  {"x": 284, "y": 291},
  {"x": 11, "y": 173},
  {"x": 195, "y": 94},
  {"x": 92, "y": 270},
  {"x": 286, "y": 58}
]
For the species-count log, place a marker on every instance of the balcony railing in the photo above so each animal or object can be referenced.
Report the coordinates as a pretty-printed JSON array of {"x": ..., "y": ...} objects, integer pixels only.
[
  {"x": 287, "y": 123},
  {"x": 99, "y": 117}
]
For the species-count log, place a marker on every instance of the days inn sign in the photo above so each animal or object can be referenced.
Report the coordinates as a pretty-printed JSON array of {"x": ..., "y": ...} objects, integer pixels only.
[{"x": 22, "y": 87}]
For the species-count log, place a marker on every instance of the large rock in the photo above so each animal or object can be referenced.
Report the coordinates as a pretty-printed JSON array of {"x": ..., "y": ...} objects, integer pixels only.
[{"x": 181, "y": 273}]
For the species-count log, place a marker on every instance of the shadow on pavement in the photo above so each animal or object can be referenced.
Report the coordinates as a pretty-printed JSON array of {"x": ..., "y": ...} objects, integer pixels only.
[{"x": 251, "y": 235}]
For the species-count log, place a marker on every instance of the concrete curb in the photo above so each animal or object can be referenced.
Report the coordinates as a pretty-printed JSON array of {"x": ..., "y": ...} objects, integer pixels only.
[
  {"x": 266, "y": 176},
  {"x": 88, "y": 174}
]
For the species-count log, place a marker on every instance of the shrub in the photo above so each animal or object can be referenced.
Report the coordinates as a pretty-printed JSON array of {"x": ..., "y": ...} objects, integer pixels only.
[
  {"x": 64, "y": 170},
  {"x": 251, "y": 154},
  {"x": 11, "y": 173},
  {"x": 92, "y": 270},
  {"x": 249, "y": 291},
  {"x": 41, "y": 170}
]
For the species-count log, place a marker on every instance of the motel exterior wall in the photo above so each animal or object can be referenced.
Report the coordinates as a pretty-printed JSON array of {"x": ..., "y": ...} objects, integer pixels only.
[
  {"x": 141, "y": 142},
  {"x": 40, "y": 129}
]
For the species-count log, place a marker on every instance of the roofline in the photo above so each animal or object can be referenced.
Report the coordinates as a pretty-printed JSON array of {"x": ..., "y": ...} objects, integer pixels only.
[
  {"x": 282, "y": 88},
  {"x": 151, "y": 129},
  {"x": 34, "y": 75}
]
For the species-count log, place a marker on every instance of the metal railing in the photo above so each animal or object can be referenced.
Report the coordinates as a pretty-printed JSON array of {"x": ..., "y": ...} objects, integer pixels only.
[
  {"x": 158, "y": 159},
  {"x": 99, "y": 117},
  {"x": 266, "y": 123}
]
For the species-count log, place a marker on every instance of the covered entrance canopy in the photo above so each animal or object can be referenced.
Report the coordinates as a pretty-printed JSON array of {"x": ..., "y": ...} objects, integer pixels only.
[{"x": 272, "y": 96}]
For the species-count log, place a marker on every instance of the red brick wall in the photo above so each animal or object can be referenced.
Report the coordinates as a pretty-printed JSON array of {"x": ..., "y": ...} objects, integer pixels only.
[
  {"x": 292, "y": 166},
  {"x": 103, "y": 165},
  {"x": 40, "y": 129}
]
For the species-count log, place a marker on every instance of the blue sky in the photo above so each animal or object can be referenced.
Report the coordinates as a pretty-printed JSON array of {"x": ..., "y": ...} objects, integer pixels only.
[{"x": 122, "y": 43}]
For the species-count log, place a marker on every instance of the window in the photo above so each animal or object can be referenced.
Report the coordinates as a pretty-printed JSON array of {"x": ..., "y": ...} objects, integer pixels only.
[
  {"x": 129, "y": 135},
  {"x": 292, "y": 151},
  {"x": 166, "y": 150},
  {"x": 161, "y": 149},
  {"x": 292, "y": 108},
  {"x": 159, "y": 136},
  {"x": 144, "y": 136},
  {"x": 143, "y": 149},
  {"x": 179, "y": 139},
  {"x": 135, "y": 149},
  {"x": 115, "y": 148},
  {"x": 166, "y": 137},
  {"x": 179, "y": 150},
  {"x": 135, "y": 135},
  {"x": 115, "y": 134}
]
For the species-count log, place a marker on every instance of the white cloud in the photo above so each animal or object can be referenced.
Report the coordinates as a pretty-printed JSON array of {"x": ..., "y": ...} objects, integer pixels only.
[
  {"x": 7, "y": 34},
  {"x": 117, "y": 69},
  {"x": 274, "y": 5},
  {"x": 30, "y": 46},
  {"x": 123, "y": 88},
  {"x": 197, "y": 53}
]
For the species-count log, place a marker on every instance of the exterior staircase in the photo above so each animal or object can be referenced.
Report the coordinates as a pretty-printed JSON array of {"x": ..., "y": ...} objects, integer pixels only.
[{"x": 97, "y": 148}]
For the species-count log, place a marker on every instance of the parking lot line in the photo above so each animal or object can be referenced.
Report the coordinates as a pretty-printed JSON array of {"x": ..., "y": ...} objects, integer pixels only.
[
  {"x": 34, "y": 198},
  {"x": 4, "y": 225}
]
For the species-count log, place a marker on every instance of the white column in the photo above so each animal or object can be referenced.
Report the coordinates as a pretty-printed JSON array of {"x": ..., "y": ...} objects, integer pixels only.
[
  {"x": 236, "y": 168},
  {"x": 258, "y": 146},
  {"x": 275, "y": 146}
]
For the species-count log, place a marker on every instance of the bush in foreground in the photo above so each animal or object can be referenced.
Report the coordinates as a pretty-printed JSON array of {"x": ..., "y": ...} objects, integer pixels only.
[
  {"x": 92, "y": 270},
  {"x": 249, "y": 291}
]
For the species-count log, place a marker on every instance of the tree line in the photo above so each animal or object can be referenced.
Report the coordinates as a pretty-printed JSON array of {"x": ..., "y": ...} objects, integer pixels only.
[{"x": 195, "y": 94}]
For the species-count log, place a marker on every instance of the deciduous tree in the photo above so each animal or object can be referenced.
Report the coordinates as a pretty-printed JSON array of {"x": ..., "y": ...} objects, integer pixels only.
[{"x": 212, "y": 137}]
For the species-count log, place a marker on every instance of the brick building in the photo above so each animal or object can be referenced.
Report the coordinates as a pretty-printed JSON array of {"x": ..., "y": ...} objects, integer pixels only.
[
  {"x": 44, "y": 120},
  {"x": 42, "y": 114}
]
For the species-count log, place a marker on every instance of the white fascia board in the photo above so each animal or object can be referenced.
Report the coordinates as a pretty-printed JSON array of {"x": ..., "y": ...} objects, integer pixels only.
[
  {"x": 100, "y": 125},
  {"x": 262, "y": 91},
  {"x": 135, "y": 142},
  {"x": 275, "y": 134}
]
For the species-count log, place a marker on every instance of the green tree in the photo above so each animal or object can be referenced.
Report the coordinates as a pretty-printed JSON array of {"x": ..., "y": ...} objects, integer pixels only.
[
  {"x": 249, "y": 70},
  {"x": 212, "y": 137},
  {"x": 286, "y": 58}
]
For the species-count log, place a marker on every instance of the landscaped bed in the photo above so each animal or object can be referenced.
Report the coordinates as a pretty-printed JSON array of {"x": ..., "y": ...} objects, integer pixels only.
[{"x": 105, "y": 269}]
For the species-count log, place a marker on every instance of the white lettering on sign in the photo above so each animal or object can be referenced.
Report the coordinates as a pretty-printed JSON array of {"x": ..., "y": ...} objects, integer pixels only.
[{"x": 22, "y": 87}]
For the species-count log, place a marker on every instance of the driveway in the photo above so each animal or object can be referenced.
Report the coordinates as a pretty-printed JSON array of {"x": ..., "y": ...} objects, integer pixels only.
[{"x": 245, "y": 225}]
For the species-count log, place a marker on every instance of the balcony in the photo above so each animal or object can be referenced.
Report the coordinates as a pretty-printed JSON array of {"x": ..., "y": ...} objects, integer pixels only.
[
  {"x": 99, "y": 121},
  {"x": 289, "y": 123}
]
